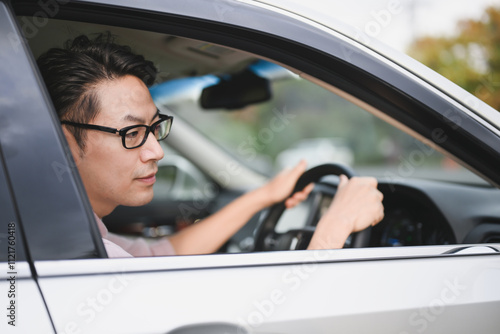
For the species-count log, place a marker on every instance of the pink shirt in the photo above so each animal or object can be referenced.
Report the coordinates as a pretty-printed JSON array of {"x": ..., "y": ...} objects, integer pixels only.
[{"x": 117, "y": 246}]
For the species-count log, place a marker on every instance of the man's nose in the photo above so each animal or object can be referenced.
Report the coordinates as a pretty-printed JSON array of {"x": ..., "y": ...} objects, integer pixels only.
[{"x": 152, "y": 149}]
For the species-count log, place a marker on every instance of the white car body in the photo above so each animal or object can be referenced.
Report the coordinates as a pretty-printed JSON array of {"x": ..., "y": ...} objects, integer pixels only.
[{"x": 417, "y": 289}]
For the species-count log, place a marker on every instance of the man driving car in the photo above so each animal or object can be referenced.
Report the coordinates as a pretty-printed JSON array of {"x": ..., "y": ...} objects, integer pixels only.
[{"x": 113, "y": 128}]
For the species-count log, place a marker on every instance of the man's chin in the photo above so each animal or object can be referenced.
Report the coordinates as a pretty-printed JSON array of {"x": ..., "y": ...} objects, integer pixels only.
[{"x": 139, "y": 200}]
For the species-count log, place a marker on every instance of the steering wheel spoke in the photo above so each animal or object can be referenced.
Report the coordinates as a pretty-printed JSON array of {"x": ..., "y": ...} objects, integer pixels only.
[{"x": 290, "y": 240}]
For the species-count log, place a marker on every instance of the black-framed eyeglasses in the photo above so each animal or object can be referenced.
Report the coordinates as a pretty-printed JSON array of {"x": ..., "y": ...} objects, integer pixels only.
[{"x": 135, "y": 135}]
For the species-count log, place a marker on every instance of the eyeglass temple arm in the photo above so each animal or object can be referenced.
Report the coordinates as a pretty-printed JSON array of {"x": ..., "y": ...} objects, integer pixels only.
[{"x": 91, "y": 126}]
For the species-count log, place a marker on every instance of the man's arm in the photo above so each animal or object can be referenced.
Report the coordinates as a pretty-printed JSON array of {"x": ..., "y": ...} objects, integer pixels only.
[
  {"x": 211, "y": 233},
  {"x": 357, "y": 205}
]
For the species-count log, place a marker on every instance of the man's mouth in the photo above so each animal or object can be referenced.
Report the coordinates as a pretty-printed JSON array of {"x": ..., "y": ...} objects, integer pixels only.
[{"x": 148, "y": 179}]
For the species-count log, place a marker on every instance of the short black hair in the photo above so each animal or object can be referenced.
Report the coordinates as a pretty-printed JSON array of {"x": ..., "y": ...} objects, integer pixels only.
[{"x": 71, "y": 74}]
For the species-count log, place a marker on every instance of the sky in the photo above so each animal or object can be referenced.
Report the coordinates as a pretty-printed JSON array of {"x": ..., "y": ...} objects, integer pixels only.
[{"x": 397, "y": 22}]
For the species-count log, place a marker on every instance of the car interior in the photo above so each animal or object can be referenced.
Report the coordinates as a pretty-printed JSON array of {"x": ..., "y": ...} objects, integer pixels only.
[{"x": 241, "y": 117}]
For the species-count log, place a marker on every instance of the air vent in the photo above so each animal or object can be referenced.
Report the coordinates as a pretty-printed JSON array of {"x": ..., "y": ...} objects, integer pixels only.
[
  {"x": 494, "y": 238},
  {"x": 484, "y": 233}
]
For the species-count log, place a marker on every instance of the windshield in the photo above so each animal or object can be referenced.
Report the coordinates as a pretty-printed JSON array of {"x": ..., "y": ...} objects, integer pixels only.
[{"x": 306, "y": 121}]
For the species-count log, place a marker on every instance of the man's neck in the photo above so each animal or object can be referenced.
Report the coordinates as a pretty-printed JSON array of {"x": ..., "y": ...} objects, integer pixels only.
[{"x": 101, "y": 210}]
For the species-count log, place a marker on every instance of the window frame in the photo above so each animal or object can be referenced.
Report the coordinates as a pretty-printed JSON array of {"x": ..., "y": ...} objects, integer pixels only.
[{"x": 50, "y": 197}]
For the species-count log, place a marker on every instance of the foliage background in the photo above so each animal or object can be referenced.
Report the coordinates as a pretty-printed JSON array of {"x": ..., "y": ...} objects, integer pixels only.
[{"x": 470, "y": 58}]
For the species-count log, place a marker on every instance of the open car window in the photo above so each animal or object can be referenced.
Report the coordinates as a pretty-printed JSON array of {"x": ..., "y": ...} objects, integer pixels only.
[{"x": 242, "y": 117}]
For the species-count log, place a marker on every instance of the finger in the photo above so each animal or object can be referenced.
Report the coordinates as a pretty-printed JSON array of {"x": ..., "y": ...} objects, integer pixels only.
[
  {"x": 293, "y": 174},
  {"x": 343, "y": 181},
  {"x": 371, "y": 181},
  {"x": 299, "y": 197},
  {"x": 380, "y": 215},
  {"x": 305, "y": 191},
  {"x": 381, "y": 196},
  {"x": 300, "y": 168},
  {"x": 296, "y": 199},
  {"x": 291, "y": 202}
]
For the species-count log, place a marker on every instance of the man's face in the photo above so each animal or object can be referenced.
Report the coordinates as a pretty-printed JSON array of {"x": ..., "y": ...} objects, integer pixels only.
[{"x": 112, "y": 174}]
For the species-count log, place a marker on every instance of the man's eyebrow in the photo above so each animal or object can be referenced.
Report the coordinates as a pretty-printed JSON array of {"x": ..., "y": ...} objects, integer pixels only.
[
  {"x": 140, "y": 120},
  {"x": 156, "y": 114}
]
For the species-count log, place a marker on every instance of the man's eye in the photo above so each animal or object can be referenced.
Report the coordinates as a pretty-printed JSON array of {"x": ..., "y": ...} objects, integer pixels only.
[{"x": 131, "y": 134}]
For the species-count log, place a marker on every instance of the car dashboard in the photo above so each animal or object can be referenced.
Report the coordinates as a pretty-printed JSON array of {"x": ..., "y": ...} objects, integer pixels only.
[
  {"x": 411, "y": 219},
  {"x": 416, "y": 212}
]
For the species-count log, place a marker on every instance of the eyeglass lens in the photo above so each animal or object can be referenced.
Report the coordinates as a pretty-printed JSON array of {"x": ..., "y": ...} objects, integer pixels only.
[{"x": 137, "y": 136}]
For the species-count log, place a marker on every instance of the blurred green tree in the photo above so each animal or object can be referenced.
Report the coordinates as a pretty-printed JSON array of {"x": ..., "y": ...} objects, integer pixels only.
[{"x": 470, "y": 58}]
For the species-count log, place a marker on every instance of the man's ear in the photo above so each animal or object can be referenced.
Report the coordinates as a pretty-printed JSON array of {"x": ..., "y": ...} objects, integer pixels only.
[{"x": 76, "y": 151}]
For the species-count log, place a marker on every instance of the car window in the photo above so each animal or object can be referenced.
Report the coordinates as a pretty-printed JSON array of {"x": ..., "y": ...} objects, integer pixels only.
[
  {"x": 301, "y": 120},
  {"x": 11, "y": 244},
  {"x": 268, "y": 129},
  {"x": 306, "y": 121}
]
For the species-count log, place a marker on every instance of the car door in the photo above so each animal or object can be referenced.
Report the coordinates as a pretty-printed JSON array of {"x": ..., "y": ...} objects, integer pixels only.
[
  {"x": 23, "y": 306},
  {"x": 404, "y": 290},
  {"x": 346, "y": 291},
  {"x": 21, "y": 296}
]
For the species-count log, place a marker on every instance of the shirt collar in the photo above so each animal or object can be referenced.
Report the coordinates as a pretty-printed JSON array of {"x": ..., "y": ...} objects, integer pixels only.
[{"x": 102, "y": 228}]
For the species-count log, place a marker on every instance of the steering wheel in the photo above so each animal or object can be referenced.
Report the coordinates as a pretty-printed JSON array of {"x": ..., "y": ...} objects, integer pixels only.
[{"x": 266, "y": 237}]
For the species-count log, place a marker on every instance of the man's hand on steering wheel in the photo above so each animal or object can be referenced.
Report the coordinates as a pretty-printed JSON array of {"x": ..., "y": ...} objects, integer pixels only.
[
  {"x": 356, "y": 206},
  {"x": 282, "y": 185}
]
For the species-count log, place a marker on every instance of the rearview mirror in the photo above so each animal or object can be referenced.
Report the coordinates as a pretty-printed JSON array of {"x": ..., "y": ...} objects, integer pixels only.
[{"x": 236, "y": 91}]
